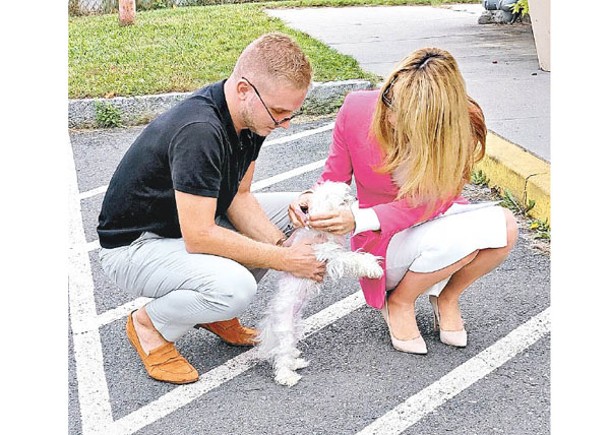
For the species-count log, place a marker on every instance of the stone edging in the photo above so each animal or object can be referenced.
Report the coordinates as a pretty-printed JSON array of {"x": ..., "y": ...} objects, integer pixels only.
[{"x": 142, "y": 109}]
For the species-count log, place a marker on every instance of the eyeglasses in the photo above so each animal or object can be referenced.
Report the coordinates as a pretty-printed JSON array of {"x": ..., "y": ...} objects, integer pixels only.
[
  {"x": 277, "y": 122},
  {"x": 385, "y": 96}
]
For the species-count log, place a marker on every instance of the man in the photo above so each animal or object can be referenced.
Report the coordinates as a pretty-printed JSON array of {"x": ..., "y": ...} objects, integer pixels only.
[{"x": 179, "y": 224}]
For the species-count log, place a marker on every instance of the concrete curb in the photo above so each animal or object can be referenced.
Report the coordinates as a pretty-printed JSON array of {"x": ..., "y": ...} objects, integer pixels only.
[
  {"x": 526, "y": 176},
  {"x": 142, "y": 109}
]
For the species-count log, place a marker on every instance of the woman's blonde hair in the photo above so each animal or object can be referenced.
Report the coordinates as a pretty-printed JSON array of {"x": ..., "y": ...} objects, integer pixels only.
[{"x": 439, "y": 131}]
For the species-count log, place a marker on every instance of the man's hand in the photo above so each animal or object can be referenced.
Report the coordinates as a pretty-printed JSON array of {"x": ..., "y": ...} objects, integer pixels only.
[
  {"x": 338, "y": 222},
  {"x": 298, "y": 210},
  {"x": 300, "y": 261}
]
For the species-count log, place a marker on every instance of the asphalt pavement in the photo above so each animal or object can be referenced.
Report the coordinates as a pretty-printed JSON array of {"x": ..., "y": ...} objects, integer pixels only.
[
  {"x": 500, "y": 383},
  {"x": 356, "y": 383}
]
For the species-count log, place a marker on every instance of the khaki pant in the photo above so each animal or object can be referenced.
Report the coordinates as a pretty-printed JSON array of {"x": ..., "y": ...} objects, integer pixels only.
[{"x": 189, "y": 288}]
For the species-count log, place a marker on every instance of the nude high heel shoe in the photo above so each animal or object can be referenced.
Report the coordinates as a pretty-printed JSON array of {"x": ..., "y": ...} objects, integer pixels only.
[
  {"x": 416, "y": 345},
  {"x": 451, "y": 338}
]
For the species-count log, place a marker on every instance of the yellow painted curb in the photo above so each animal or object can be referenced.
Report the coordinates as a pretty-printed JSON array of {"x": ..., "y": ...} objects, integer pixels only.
[{"x": 527, "y": 177}]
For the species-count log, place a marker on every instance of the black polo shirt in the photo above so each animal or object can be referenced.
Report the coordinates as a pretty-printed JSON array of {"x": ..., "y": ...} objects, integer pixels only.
[{"x": 192, "y": 148}]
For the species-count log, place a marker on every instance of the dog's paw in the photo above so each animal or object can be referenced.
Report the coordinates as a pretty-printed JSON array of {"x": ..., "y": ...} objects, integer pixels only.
[
  {"x": 287, "y": 377},
  {"x": 368, "y": 266},
  {"x": 375, "y": 271},
  {"x": 296, "y": 353},
  {"x": 299, "y": 363}
]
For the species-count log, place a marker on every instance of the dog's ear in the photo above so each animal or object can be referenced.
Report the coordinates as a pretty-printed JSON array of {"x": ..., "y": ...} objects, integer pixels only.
[
  {"x": 349, "y": 197},
  {"x": 316, "y": 186}
]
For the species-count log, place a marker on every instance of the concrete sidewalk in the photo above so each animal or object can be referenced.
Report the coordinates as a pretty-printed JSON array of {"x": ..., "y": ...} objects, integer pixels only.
[{"x": 499, "y": 63}]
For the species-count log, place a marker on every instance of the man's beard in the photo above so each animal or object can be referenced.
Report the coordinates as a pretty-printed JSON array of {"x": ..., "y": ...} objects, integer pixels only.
[{"x": 248, "y": 120}]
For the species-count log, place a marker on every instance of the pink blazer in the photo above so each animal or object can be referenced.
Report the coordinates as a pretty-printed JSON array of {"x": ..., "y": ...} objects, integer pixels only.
[{"x": 355, "y": 153}]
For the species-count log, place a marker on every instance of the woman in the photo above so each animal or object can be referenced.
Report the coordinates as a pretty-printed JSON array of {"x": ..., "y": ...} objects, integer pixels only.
[{"x": 411, "y": 147}]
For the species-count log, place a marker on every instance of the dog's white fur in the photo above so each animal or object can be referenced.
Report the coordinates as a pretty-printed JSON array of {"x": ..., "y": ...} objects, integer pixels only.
[{"x": 281, "y": 328}]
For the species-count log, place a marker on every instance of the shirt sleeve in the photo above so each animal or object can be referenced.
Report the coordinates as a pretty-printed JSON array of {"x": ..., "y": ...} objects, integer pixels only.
[
  {"x": 196, "y": 158},
  {"x": 365, "y": 219}
]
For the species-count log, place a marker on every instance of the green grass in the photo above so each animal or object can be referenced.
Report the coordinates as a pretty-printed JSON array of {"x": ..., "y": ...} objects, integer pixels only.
[{"x": 182, "y": 49}]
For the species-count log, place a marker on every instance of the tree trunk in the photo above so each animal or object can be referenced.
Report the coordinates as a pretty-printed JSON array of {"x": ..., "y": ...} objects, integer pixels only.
[{"x": 126, "y": 12}]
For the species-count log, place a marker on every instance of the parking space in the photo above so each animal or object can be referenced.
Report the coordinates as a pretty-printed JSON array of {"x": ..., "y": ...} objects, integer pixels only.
[{"x": 356, "y": 382}]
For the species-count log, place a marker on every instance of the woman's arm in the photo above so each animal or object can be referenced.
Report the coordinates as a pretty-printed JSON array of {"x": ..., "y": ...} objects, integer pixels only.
[{"x": 337, "y": 168}]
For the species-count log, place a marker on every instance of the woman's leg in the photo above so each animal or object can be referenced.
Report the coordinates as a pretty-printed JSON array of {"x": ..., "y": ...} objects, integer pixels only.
[
  {"x": 485, "y": 261},
  {"x": 462, "y": 274},
  {"x": 401, "y": 302}
]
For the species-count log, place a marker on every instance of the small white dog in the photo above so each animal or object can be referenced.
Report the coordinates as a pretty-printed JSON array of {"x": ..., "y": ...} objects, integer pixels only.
[{"x": 281, "y": 328}]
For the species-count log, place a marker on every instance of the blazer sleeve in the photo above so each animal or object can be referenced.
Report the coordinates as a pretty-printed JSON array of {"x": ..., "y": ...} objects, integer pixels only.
[{"x": 338, "y": 166}]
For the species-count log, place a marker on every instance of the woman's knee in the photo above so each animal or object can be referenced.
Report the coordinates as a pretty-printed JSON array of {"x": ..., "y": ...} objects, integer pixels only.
[{"x": 467, "y": 259}]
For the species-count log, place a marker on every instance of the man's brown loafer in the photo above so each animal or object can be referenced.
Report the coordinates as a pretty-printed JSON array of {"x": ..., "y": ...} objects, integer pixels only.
[
  {"x": 232, "y": 332},
  {"x": 163, "y": 363}
]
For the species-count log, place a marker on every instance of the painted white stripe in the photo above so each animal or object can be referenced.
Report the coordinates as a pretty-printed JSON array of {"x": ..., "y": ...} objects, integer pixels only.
[
  {"x": 287, "y": 175},
  {"x": 92, "y": 246},
  {"x": 183, "y": 395},
  {"x": 92, "y": 387},
  {"x": 278, "y": 141},
  {"x": 96, "y": 414},
  {"x": 418, "y": 406},
  {"x": 300, "y": 135},
  {"x": 119, "y": 312},
  {"x": 93, "y": 192},
  {"x": 332, "y": 313}
]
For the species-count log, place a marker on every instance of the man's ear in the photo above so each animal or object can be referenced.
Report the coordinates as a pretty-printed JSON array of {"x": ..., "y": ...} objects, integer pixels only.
[{"x": 242, "y": 89}]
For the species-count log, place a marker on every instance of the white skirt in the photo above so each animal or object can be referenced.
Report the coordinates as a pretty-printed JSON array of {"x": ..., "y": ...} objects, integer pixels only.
[{"x": 436, "y": 244}]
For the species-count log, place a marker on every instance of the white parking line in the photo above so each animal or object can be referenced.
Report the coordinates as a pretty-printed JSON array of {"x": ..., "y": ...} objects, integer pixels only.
[
  {"x": 119, "y": 312},
  {"x": 95, "y": 408},
  {"x": 425, "y": 401},
  {"x": 298, "y": 135},
  {"x": 287, "y": 175},
  {"x": 93, "y": 192},
  {"x": 183, "y": 395}
]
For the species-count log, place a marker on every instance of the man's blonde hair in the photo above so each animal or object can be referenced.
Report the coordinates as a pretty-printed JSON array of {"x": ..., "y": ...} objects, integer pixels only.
[
  {"x": 275, "y": 57},
  {"x": 439, "y": 132}
]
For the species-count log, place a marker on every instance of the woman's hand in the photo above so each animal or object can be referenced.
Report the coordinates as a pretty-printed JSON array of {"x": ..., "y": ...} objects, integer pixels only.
[
  {"x": 337, "y": 222},
  {"x": 298, "y": 210}
]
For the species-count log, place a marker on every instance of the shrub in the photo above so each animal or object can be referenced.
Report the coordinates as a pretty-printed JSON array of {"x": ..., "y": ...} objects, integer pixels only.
[{"x": 107, "y": 115}]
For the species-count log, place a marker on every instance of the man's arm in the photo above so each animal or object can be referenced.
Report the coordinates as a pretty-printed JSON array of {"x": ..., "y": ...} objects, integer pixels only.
[
  {"x": 247, "y": 216},
  {"x": 202, "y": 236}
]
